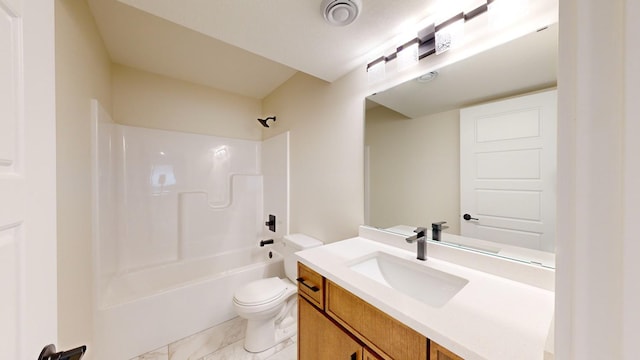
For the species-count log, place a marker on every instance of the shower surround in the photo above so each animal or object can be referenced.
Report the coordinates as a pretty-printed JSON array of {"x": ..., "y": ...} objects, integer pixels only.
[{"x": 177, "y": 222}]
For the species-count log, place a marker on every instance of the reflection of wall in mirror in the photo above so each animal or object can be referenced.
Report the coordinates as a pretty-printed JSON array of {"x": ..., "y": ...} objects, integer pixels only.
[{"x": 414, "y": 171}]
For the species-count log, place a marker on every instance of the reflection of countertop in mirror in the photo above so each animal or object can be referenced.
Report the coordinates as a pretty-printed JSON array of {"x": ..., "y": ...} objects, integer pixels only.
[
  {"x": 505, "y": 313},
  {"x": 512, "y": 252}
]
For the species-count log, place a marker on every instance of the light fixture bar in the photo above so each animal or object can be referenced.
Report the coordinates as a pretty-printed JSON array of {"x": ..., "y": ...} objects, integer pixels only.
[
  {"x": 426, "y": 37},
  {"x": 477, "y": 11},
  {"x": 450, "y": 21}
]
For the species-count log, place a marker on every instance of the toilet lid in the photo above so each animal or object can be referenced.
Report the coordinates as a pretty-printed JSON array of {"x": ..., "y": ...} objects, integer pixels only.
[{"x": 260, "y": 291}]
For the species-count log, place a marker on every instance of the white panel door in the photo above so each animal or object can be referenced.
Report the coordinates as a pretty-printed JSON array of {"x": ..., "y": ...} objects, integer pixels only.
[
  {"x": 508, "y": 171},
  {"x": 28, "y": 308}
]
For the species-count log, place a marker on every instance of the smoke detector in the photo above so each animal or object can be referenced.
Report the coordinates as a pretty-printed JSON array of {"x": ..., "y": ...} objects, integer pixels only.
[{"x": 341, "y": 12}]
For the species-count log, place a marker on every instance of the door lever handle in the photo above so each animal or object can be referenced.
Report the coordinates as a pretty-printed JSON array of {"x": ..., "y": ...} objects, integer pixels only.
[{"x": 468, "y": 217}]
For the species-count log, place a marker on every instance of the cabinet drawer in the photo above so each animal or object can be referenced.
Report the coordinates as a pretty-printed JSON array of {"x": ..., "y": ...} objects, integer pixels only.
[
  {"x": 385, "y": 335},
  {"x": 311, "y": 285}
]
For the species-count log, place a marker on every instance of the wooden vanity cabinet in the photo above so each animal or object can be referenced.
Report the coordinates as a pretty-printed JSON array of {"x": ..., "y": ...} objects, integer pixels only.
[
  {"x": 335, "y": 324},
  {"x": 368, "y": 355},
  {"x": 321, "y": 339},
  {"x": 382, "y": 333},
  {"x": 437, "y": 352},
  {"x": 311, "y": 285}
]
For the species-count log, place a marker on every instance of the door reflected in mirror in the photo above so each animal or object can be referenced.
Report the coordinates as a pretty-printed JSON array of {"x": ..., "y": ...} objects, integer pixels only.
[{"x": 504, "y": 178}]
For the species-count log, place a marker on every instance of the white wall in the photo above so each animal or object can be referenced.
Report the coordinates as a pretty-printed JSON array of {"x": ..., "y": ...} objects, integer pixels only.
[
  {"x": 148, "y": 100},
  {"x": 597, "y": 291},
  {"x": 82, "y": 73},
  {"x": 414, "y": 168}
]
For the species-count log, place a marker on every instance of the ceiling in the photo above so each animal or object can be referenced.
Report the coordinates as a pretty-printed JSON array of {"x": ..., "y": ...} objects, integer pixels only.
[
  {"x": 248, "y": 47},
  {"x": 525, "y": 64}
]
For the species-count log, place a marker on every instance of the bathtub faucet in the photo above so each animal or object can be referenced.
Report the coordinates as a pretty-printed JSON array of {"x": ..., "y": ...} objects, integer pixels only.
[{"x": 266, "y": 242}]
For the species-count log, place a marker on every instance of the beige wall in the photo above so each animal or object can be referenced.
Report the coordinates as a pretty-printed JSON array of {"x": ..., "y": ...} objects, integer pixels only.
[
  {"x": 414, "y": 168},
  {"x": 326, "y": 124},
  {"x": 327, "y": 131},
  {"x": 82, "y": 73},
  {"x": 154, "y": 101}
]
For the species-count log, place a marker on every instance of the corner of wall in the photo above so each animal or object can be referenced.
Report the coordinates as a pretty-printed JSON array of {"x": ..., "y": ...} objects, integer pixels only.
[
  {"x": 82, "y": 73},
  {"x": 326, "y": 121}
]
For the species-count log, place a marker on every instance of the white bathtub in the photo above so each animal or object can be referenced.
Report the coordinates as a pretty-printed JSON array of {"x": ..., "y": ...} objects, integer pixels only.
[{"x": 146, "y": 309}]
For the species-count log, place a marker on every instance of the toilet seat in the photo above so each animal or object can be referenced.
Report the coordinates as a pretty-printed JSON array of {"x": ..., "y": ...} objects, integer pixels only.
[{"x": 261, "y": 292}]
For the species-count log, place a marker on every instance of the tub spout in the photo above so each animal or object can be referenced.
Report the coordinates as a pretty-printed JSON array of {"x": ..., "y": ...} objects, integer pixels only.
[{"x": 266, "y": 242}]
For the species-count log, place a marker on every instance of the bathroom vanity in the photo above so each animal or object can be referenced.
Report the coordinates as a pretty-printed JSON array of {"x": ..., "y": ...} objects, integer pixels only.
[
  {"x": 369, "y": 298},
  {"x": 352, "y": 328}
]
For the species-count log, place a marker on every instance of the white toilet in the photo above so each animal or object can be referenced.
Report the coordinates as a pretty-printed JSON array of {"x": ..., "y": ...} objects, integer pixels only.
[{"x": 270, "y": 305}]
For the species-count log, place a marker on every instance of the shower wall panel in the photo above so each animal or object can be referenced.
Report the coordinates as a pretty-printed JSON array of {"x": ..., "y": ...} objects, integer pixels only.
[{"x": 185, "y": 195}]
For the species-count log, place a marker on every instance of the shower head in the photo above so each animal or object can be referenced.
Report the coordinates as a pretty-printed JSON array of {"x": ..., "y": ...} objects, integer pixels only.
[{"x": 264, "y": 121}]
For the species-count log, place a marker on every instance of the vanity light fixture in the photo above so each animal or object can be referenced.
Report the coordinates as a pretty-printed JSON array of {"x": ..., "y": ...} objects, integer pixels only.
[
  {"x": 449, "y": 34},
  {"x": 436, "y": 39},
  {"x": 407, "y": 54},
  {"x": 376, "y": 70}
]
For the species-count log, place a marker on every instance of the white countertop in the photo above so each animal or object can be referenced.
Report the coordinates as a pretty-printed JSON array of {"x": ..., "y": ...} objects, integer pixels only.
[{"x": 492, "y": 317}]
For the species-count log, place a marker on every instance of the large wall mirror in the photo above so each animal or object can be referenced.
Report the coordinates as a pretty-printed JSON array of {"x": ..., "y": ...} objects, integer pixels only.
[{"x": 413, "y": 141}]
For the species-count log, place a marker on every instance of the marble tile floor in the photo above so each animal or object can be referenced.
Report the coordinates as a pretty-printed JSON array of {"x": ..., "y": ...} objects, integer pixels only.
[{"x": 221, "y": 342}]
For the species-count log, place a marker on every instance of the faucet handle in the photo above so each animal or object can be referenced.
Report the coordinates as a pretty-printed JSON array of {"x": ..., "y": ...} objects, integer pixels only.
[
  {"x": 436, "y": 229},
  {"x": 439, "y": 225},
  {"x": 420, "y": 233}
]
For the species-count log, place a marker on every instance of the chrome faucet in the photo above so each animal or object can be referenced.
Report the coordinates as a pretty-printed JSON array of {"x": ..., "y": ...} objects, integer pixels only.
[{"x": 421, "y": 238}]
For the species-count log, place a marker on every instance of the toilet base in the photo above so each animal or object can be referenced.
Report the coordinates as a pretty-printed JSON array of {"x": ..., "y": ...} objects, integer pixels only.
[{"x": 263, "y": 335}]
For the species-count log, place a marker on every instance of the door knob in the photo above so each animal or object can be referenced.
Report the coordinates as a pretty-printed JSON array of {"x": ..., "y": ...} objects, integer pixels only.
[{"x": 468, "y": 217}]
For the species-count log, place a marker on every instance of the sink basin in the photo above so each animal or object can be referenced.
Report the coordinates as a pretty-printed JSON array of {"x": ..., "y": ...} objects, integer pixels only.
[{"x": 425, "y": 284}]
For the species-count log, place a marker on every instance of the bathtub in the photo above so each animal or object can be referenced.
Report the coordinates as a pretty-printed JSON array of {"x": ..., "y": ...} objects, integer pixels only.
[{"x": 143, "y": 310}]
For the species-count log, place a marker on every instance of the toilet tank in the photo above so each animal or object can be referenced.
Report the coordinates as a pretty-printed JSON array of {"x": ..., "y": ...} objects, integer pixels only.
[{"x": 292, "y": 244}]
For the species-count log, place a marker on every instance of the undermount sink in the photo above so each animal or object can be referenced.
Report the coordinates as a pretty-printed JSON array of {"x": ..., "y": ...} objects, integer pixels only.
[{"x": 425, "y": 284}]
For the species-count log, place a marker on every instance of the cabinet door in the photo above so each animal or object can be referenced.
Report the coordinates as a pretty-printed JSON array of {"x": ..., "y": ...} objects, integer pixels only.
[
  {"x": 437, "y": 352},
  {"x": 321, "y": 339},
  {"x": 377, "y": 330},
  {"x": 369, "y": 355}
]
